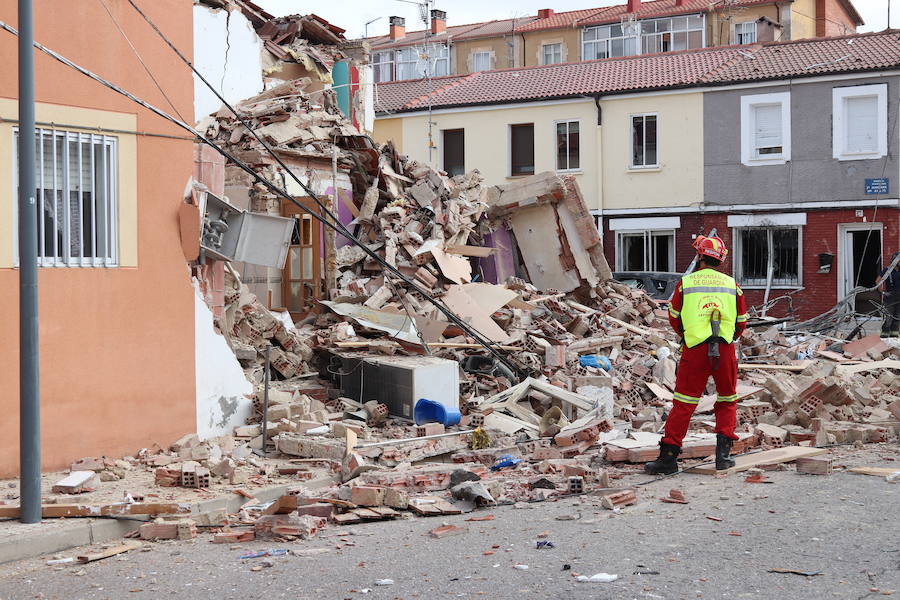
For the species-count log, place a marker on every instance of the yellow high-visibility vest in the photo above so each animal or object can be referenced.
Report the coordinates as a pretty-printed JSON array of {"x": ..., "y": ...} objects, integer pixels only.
[{"x": 707, "y": 294}]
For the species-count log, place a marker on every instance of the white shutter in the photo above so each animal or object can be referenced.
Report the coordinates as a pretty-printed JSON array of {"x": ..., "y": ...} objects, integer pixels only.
[
  {"x": 767, "y": 128},
  {"x": 861, "y": 124}
]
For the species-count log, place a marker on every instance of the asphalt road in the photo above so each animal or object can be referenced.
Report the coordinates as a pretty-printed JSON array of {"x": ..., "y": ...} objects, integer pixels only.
[{"x": 845, "y": 526}]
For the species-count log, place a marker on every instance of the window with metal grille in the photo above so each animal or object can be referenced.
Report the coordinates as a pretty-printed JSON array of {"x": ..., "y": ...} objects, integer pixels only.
[
  {"x": 745, "y": 33},
  {"x": 761, "y": 248},
  {"x": 76, "y": 198},
  {"x": 567, "y": 146},
  {"x": 643, "y": 142}
]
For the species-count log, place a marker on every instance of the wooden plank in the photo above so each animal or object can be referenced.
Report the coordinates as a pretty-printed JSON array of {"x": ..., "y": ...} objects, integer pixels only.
[
  {"x": 477, "y": 251},
  {"x": 876, "y": 471},
  {"x": 767, "y": 457},
  {"x": 53, "y": 511},
  {"x": 91, "y": 557},
  {"x": 880, "y": 364}
]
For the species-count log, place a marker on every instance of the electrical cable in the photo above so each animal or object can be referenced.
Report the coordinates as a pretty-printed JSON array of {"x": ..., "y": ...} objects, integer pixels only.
[
  {"x": 333, "y": 222},
  {"x": 337, "y": 227}
]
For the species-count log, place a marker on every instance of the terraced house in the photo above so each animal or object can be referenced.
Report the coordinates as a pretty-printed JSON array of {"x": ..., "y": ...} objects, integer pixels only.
[
  {"x": 629, "y": 29},
  {"x": 788, "y": 149}
]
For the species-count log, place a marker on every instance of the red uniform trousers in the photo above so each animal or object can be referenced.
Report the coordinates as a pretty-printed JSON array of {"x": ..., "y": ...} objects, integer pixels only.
[{"x": 690, "y": 384}]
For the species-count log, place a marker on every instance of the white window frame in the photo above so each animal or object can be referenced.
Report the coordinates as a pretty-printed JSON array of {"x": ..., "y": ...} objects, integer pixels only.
[
  {"x": 379, "y": 61},
  {"x": 738, "y": 33},
  {"x": 62, "y": 255},
  {"x": 555, "y": 49},
  {"x": 839, "y": 96},
  {"x": 404, "y": 58},
  {"x": 671, "y": 26},
  {"x": 483, "y": 53},
  {"x": 737, "y": 260},
  {"x": 607, "y": 42},
  {"x": 648, "y": 234},
  {"x": 748, "y": 124},
  {"x": 631, "y": 164},
  {"x": 567, "y": 169},
  {"x": 509, "y": 151}
]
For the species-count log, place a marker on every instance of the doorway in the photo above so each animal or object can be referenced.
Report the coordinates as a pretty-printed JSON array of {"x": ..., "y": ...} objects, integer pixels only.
[{"x": 859, "y": 245}]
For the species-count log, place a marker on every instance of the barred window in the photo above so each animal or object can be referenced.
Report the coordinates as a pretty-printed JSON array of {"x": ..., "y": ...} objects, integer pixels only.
[{"x": 76, "y": 198}]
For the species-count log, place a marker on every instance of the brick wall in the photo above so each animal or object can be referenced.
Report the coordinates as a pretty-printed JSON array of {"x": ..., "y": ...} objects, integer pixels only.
[
  {"x": 832, "y": 19},
  {"x": 818, "y": 236}
]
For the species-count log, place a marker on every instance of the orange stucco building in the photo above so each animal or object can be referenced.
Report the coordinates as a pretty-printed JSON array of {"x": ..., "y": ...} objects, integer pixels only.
[{"x": 116, "y": 302}]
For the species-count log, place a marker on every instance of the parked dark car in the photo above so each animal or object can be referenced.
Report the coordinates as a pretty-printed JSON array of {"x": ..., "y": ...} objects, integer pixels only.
[{"x": 660, "y": 285}]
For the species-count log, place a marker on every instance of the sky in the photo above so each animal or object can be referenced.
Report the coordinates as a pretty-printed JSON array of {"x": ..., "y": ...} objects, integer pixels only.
[{"x": 353, "y": 14}]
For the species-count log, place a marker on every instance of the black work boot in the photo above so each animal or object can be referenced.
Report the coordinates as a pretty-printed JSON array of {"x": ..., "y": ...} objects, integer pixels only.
[
  {"x": 667, "y": 463},
  {"x": 723, "y": 452}
]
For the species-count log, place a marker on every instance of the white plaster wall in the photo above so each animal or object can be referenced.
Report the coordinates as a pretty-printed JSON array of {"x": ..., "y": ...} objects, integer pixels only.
[
  {"x": 228, "y": 53},
  {"x": 221, "y": 385}
]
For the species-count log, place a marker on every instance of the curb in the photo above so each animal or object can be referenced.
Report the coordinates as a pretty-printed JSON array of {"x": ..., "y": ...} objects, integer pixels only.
[{"x": 97, "y": 531}]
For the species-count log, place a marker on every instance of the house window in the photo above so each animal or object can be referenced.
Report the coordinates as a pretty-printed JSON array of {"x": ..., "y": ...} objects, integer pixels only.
[
  {"x": 755, "y": 246},
  {"x": 521, "y": 149},
  {"x": 643, "y": 142},
  {"x": 765, "y": 129},
  {"x": 745, "y": 33},
  {"x": 406, "y": 63},
  {"x": 645, "y": 250},
  {"x": 454, "y": 152},
  {"x": 610, "y": 40},
  {"x": 860, "y": 122},
  {"x": 675, "y": 33},
  {"x": 76, "y": 198},
  {"x": 567, "y": 146},
  {"x": 383, "y": 65},
  {"x": 551, "y": 54},
  {"x": 422, "y": 61},
  {"x": 481, "y": 61}
]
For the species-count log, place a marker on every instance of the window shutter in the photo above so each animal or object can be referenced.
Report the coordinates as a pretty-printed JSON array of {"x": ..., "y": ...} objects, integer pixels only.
[
  {"x": 767, "y": 126},
  {"x": 861, "y": 124}
]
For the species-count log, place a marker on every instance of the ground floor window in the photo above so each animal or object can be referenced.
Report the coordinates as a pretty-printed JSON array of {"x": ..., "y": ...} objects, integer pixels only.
[
  {"x": 645, "y": 250},
  {"x": 759, "y": 249}
]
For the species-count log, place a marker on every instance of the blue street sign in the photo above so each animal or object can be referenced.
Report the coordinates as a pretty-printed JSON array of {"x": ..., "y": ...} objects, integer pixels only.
[{"x": 879, "y": 185}]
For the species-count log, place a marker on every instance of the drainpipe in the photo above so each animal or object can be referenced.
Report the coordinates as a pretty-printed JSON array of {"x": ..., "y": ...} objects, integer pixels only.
[{"x": 29, "y": 373}]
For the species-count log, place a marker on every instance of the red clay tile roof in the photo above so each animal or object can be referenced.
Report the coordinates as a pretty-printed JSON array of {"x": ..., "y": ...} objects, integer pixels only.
[
  {"x": 455, "y": 32},
  {"x": 817, "y": 56},
  {"x": 392, "y": 96},
  {"x": 707, "y": 66}
]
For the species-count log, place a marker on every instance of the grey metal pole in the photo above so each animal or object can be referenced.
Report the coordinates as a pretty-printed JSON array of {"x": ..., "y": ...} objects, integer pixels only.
[{"x": 29, "y": 367}]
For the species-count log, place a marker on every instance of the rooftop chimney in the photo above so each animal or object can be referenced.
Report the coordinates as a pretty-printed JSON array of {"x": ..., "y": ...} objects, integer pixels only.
[
  {"x": 679, "y": 3},
  {"x": 398, "y": 27},
  {"x": 438, "y": 21},
  {"x": 633, "y": 6},
  {"x": 545, "y": 13}
]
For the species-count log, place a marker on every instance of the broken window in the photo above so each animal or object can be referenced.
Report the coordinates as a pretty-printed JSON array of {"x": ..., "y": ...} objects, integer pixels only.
[
  {"x": 567, "y": 146},
  {"x": 643, "y": 141},
  {"x": 745, "y": 33},
  {"x": 652, "y": 250},
  {"x": 481, "y": 61},
  {"x": 383, "y": 66},
  {"x": 76, "y": 199},
  {"x": 454, "y": 152},
  {"x": 431, "y": 60},
  {"x": 522, "y": 149},
  {"x": 551, "y": 54},
  {"x": 755, "y": 246}
]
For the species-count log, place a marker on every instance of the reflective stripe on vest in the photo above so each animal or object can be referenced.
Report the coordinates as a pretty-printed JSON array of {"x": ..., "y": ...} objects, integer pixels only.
[{"x": 706, "y": 292}]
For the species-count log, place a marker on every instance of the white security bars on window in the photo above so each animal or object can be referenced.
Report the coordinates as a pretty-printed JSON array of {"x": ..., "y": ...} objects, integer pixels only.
[{"x": 76, "y": 199}]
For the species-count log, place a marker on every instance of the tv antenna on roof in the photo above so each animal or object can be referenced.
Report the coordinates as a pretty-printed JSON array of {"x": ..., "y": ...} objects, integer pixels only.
[{"x": 424, "y": 9}]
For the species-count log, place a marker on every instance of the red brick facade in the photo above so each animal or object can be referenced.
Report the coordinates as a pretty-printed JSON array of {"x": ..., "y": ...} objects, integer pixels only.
[{"x": 819, "y": 235}]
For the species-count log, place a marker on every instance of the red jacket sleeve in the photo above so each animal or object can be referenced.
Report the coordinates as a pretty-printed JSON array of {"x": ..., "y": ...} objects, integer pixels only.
[
  {"x": 675, "y": 307},
  {"x": 741, "y": 323}
]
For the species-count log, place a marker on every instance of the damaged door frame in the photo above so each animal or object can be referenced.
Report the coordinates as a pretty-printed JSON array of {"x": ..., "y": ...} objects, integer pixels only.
[
  {"x": 309, "y": 234},
  {"x": 845, "y": 252}
]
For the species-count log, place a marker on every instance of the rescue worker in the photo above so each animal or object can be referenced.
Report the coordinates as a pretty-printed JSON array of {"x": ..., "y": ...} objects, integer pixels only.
[
  {"x": 890, "y": 327},
  {"x": 709, "y": 311}
]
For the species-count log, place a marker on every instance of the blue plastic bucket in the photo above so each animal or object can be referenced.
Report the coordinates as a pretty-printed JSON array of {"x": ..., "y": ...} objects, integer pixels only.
[{"x": 429, "y": 411}]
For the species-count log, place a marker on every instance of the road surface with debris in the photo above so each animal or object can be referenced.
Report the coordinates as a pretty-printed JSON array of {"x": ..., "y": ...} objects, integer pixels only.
[{"x": 722, "y": 544}]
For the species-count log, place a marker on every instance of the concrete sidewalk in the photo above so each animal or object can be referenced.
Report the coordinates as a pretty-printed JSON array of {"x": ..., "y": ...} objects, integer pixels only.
[{"x": 21, "y": 541}]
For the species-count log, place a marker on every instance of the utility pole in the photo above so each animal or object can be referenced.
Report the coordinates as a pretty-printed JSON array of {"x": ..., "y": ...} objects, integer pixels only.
[{"x": 29, "y": 372}]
